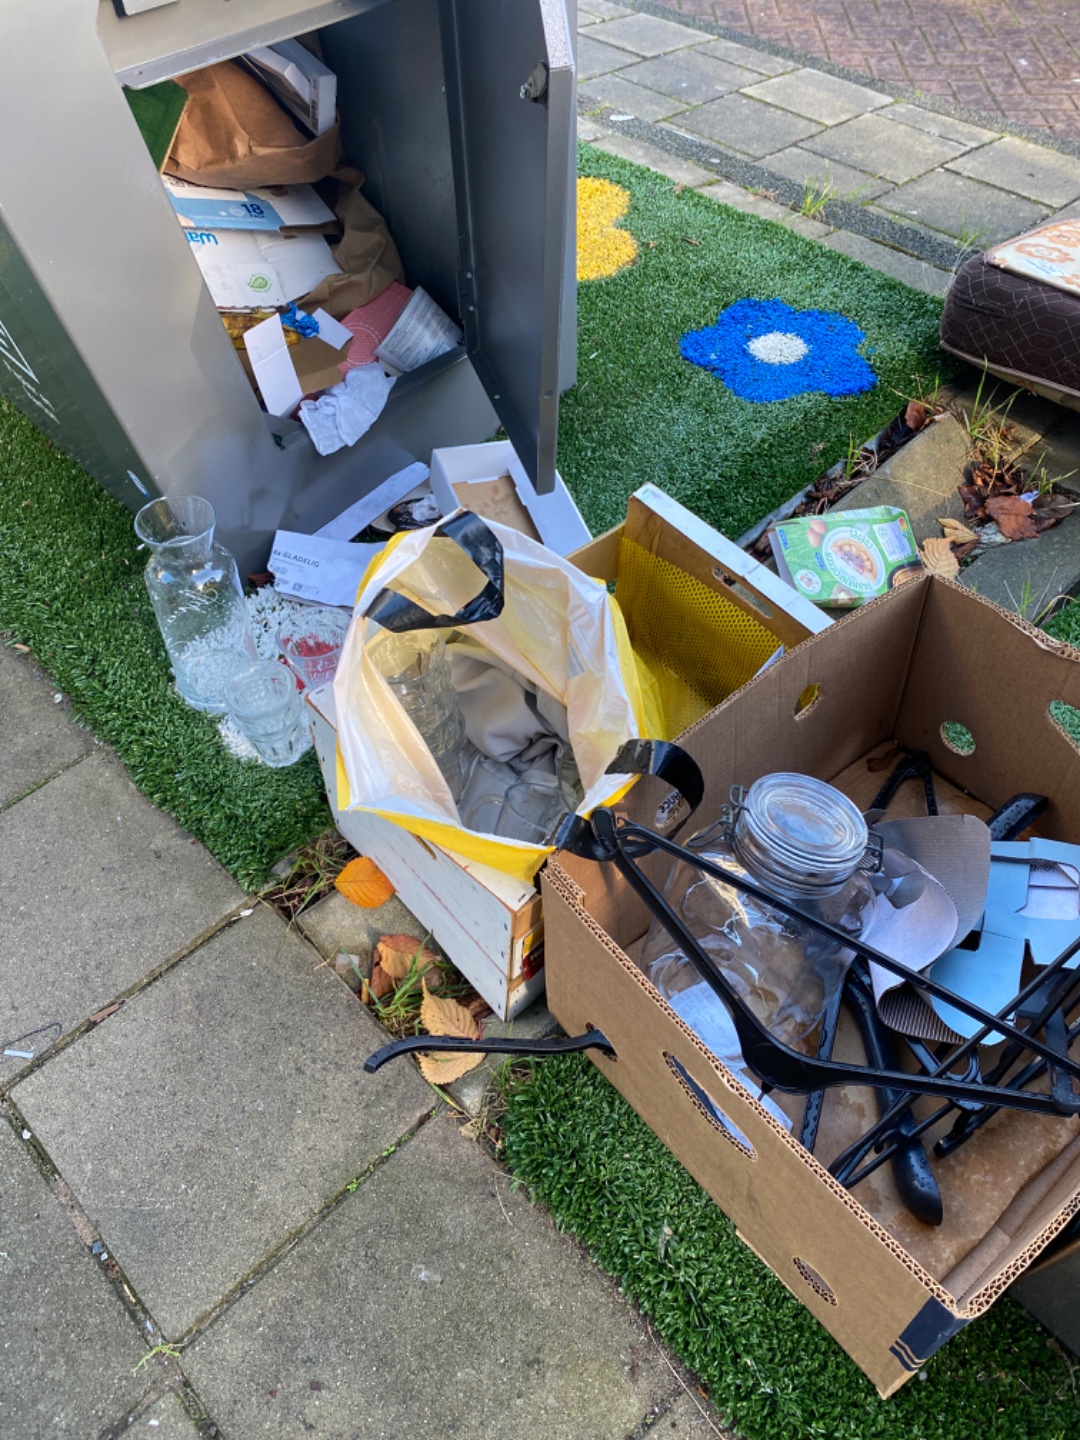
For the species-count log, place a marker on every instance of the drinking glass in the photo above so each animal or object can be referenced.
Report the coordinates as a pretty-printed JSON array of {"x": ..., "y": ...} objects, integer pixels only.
[
  {"x": 265, "y": 705},
  {"x": 311, "y": 641},
  {"x": 532, "y": 809}
]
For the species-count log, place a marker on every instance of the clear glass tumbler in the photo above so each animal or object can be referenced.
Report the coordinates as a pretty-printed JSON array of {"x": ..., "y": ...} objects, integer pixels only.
[
  {"x": 265, "y": 705},
  {"x": 532, "y": 809},
  {"x": 417, "y": 670},
  {"x": 312, "y": 641},
  {"x": 195, "y": 590}
]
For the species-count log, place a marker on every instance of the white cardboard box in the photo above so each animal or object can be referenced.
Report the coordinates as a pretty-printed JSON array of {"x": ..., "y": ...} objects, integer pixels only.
[{"x": 490, "y": 925}]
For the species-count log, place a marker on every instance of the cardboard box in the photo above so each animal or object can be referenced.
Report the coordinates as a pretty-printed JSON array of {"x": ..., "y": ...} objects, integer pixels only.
[
  {"x": 490, "y": 925},
  {"x": 891, "y": 1290}
]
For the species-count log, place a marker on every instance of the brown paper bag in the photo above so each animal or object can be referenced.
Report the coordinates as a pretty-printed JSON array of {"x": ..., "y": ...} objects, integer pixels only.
[
  {"x": 367, "y": 255},
  {"x": 235, "y": 134}
]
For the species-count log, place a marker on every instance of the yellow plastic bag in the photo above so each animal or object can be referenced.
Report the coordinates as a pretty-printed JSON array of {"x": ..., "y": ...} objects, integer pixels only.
[{"x": 534, "y": 611}]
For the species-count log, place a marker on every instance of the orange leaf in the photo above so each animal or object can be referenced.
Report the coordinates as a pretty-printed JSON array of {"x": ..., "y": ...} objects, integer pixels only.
[
  {"x": 938, "y": 559},
  {"x": 380, "y": 985},
  {"x": 447, "y": 1017},
  {"x": 396, "y": 953},
  {"x": 364, "y": 884}
]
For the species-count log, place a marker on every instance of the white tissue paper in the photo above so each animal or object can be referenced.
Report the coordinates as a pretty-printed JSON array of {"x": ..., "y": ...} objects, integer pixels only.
[{"x": 348, "y": 411}]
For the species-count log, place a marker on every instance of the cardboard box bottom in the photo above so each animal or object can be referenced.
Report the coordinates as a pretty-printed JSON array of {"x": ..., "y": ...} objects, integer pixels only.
[{"x": 890, "y": 1289}]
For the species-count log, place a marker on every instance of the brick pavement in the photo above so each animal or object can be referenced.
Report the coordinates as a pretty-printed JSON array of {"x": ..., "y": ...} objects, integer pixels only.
[
  {"x": 903, "y": 187},
  {"x": 1016, "y": 58}
]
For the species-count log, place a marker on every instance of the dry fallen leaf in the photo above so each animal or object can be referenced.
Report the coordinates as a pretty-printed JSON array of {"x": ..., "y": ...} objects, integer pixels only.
[
  {"x": 938, "y": 559},
  {"x": 364, "y": 884},
  {"x": 916, "y": 415},
  {"x": 378, "y": 987},
  {"x": 956, "y": 530},
  {"x": 395, "y": 953},
  {"x": 446, "y": 1017},
  {"x": 1013, "y": 516}
]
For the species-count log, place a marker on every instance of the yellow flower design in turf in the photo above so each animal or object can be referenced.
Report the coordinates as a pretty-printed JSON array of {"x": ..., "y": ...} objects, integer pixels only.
[{"x": 601, "y": 248}]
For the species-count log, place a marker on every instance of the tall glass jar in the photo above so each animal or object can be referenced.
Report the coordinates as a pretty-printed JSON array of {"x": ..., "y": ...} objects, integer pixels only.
[
  {"x": 195, "y": 590},
  {"x": 804, "y": 841},
  {"x": 417, "y": 669}
]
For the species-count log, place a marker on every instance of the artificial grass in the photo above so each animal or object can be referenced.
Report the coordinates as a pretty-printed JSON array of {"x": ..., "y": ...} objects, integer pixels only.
[
  {"x": 640, "y": 412},
  {"x": 772, "y": 1371},
  {"x": 71, "y": 588}
]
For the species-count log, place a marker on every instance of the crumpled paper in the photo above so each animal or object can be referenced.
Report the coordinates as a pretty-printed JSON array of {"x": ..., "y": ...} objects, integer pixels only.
[{"x": 344, "y": 413}]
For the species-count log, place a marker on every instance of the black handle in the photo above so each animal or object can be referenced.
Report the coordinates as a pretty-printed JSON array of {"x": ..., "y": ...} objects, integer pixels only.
[
  {"x": 915, "y": 1180},
  {"x": 662, "y": 758},
  {"x": 479, "y": 542},
  {"x": 591, "y": 1040},
  {"x": 1016, "y": 815}
]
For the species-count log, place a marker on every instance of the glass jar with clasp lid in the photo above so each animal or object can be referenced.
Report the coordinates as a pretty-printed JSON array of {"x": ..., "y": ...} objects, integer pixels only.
[{"x": 805, "y": 842}]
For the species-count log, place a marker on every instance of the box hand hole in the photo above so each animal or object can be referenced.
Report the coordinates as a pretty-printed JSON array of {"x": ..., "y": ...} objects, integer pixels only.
[
  {"x": 958, "y": 738},
  {"x": 743, "y": 591},
  {"x": 808, "y": 698},
  {"x": 1066, "y": 720},
  {"x": 704, "y": 1102},
  {"x": 814, "y": 1280}
]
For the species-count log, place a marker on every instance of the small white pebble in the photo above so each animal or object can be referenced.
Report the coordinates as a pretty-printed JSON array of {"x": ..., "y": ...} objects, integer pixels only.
[
  {"x": 245, "y": 913},
  {"x": 57, "y": 698},
  {"x": 26, "y": 1134}
]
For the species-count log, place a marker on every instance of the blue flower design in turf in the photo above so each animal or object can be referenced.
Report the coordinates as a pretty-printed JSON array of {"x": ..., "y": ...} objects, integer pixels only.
[{"x": 764, "y": 350}]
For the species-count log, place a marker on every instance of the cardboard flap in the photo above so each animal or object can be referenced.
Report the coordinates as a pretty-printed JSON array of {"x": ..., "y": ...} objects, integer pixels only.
[{"x": 987, "y": 670}]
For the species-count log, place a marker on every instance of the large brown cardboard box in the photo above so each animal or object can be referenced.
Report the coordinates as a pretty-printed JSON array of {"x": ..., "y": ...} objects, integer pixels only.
[{"x": 890, "y": 1289}]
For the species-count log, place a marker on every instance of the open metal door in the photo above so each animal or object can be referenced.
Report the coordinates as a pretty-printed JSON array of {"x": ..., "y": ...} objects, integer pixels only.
[{"x": 510, "y": 90}]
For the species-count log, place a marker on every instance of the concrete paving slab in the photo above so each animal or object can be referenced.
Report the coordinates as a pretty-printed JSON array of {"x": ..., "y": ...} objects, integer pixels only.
[
  {"x": 883, "y": 147},
  {"x": 165, "y": 1420},
  {"x": 682, "y": 172},
  {"x": 921, "y": 479},
  {"x": 68, "y": 1350},
  {"x": 647, "y": 34},
  {"x": 765, "y": 209},
  {"x": 916, "y": 273},
  {"x": 746, "y": 55},
  {"x": 589, "y": 130},
  {"x": 37, "y": 737},
  {"x": 1029, "y": 170},
  {"x": 806, "y": 226},
  {"x": 749, "y": 125},
  {"x": 818, "y": 96},
  {"x": 603, "y": 10},
  {"x": 691, "y": 1418},
  {"x": 1027, "y": 575},
  {"x": 596, "y": 58},
  {"x": 96, "y": 889},
  {"x": 632, "y": 99},
  {"x": 818, "y": 171},
  {"x": 960, "y": 206},
  {"x": 690, "y": 76},
  {"x": 377, "y": 1323},
  {"x": 943, "y": 126},
  {"x": 335, "y": 923},
  {"x": 1060, "y": 452},
  {"x": 217, "y": 1111}
]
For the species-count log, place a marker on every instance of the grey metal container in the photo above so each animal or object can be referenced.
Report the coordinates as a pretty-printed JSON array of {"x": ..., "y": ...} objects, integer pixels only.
[{"x": 109, "y": 339}]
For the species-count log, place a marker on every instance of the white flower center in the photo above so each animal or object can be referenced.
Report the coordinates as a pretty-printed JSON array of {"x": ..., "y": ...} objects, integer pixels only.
[{"x": 778, "y": 348}]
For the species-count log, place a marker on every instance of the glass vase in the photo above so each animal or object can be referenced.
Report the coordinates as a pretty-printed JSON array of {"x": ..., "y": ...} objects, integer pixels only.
[{"x": 195, "y": 590}]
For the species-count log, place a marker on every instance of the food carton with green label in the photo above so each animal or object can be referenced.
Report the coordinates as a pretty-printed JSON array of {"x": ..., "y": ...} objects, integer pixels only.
[{"x": 848, "y": 557}]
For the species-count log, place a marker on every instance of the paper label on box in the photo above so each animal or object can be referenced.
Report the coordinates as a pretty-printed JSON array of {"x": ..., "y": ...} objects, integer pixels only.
[{"x": 314, "y": 568}]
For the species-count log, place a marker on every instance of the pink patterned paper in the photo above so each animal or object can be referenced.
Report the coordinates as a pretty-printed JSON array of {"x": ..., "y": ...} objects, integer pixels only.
[{"x": 371, "y": 324}]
